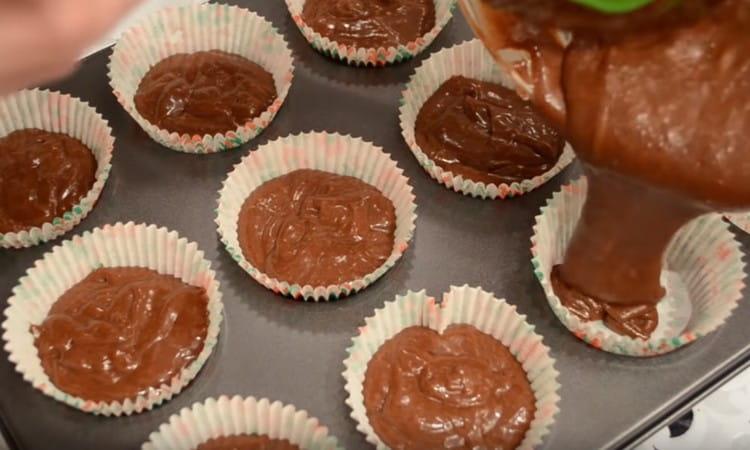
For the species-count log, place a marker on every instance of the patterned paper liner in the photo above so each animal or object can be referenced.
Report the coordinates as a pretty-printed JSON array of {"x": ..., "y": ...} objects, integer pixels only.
[
  {"x": 742, "y": 221},
  {"x": 378, "y": 57},
  {"x": 704, "y": 277},
  {"x": 343, "y": 155},
  {"x": 471, "y": 60},
  {"x": 234, "y": 416},
  {"x": 461, "y": 305},
  {"x": 189, "y": 29},
  {"x": 60, "y": 113},
  {"x": 119, "y": 245}
]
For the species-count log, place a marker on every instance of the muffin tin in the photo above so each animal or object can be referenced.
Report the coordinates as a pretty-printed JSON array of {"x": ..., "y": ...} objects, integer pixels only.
[{"x": 293, "y": 352}]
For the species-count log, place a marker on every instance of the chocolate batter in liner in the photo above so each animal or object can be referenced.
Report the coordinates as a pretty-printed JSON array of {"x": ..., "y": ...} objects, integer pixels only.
[
  {"x": 49, "y": 180},
  {"x": 655, "y": 159},
  {"x": 372, "y": 33},
  {"x": 115, "y": 340},
  {"x": 417, "y": 366},
  {"x": 704, "y": 280},
  {"x": 472, "y": 133},
  {"x": 121, "y": 333},
  {"x": 317, "y": 230},
  {"x": 236, "y": 107}
]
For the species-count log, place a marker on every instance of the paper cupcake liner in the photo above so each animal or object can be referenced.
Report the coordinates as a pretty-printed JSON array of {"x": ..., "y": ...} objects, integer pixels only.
[
  {"x": 59, "y": 113},
  {"x": 461, "y": 305},
  {"x": 471, "y": 60},
  {"x": 703, "y": 275},
  {"x": 378, "y": 57},
  {"x": 334, "y": 153},
  {"x": 742, "y": 221},
  {"x": 119, "y": 245},
  {"x": 233, "y": 416},
  {"x": 189, "y": 29}
]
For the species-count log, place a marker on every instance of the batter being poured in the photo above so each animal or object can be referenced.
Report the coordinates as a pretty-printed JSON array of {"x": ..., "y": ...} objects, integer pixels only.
[{"x": 657, "y": 106}]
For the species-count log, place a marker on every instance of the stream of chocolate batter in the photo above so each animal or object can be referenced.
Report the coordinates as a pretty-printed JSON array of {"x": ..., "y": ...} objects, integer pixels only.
[{"x": 657, "y": 106}]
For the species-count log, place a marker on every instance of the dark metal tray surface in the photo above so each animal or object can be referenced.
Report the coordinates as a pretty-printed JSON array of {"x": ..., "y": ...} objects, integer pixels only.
[{"x": 293, "y": 351}]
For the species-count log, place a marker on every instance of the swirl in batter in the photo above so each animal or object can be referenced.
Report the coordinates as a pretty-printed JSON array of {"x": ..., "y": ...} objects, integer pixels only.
[
  {"x": 370, "y": 23},
  {"x": 459, "y": 390},
  {"x": 316, "y": 228},
  {"x": 204, "y": 93},
  {"x": 486, "y": 133},
  {"x": 121, "y": 332}
]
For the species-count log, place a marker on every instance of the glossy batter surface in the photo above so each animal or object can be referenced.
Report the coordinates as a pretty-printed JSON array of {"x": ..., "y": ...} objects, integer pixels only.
[
  {"x": 486, "y": 133},
  {"x": 204, "y": 93},
  {"x": 459, "y": 390},
  {"x": 370, "y": 23},
  {"x": 121, "y": 332},
  {"x": 316, "y": 228},
  {"x": 42, "y": 176}
]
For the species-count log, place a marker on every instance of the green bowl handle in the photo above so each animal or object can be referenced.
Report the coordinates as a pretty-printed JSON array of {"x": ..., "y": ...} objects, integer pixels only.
[{"x": 614, "y": 6}]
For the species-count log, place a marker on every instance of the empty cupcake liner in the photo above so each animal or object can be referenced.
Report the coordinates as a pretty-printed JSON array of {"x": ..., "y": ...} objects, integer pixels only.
[
  {"x": 742, "y": 221},
  {"x": 471, "y": 60},
  {"x": 360, "y": 56},
  {"x": 189, "y": 29},
  {"x": 59, "y": 113},
  {"x": 226, "y": 416},
  {"x": 703, "y": 275},
  {"x": 461, "y": 305},
  {"x": 120, "y": 245},
  {"x": 334, "y": 153}
]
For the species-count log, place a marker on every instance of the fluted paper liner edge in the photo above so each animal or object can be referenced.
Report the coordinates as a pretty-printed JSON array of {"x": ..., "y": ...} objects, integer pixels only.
[
  {"x": 471, "y": 60},
  {"x": 329, "y": 152},
  {"x": 189, "y": 29},
  {"x": 227, "y": 416},
  {"x": 59, "y": 113},
  {"x": 461, "y": 305},
  {"x": 704, "y": 256},
  {"x": 119, "y": 245}
]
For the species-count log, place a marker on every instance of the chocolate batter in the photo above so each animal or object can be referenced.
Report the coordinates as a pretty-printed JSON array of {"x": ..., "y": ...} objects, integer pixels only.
[
  {"x": 370, "y": 23},
  {"x": 204, "y": 93},
  {"x": 247, "y": 442},
  {"x": 316, "y": 228},
  {"x": 485, "y": 132},
  {"x": 121, "y": 332},
  {"x": 637, "y": 321},
  {"x": 658, "y": 115},
  {"x": 42, "y": 176},
  {"x": 459, "y": 390}
]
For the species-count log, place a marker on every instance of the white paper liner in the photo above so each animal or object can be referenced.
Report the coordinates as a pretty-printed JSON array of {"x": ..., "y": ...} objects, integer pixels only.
[
  {"x": 703, "y": 275},
  {"x": 461, "y": 305},
  {"x": 59, "y": 113},
  {"x": 378, "y": 57},
  {"x": 471, "y": 60},
  {"x": 189, "y": 29},
  {"x": 119, "y": 245},
  {"x": 334, "y": 153},
  {"x": 226, "y": 416},
  {"x": 741, "y": 220}
]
